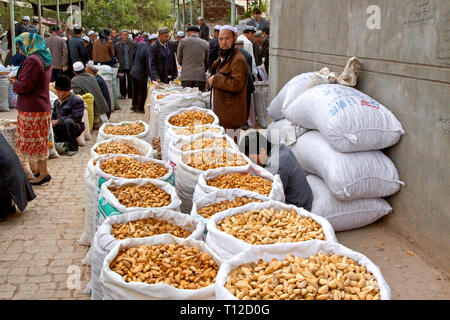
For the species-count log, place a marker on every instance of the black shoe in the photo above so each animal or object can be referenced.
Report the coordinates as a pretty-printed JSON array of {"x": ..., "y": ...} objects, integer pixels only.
[
  {"x": 45, "y": 180},
  {"x": 245, "y": 127},
  {"x": 36, "y": 175}
]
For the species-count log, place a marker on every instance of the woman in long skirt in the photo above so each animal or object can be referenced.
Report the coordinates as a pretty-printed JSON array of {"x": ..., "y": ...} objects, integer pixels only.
[{"x": 33, "y": 103}]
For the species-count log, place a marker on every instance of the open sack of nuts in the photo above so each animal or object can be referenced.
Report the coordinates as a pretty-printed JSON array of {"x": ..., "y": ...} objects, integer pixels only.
[
  {"x": 140, "y": 224},
  {"x": 163, "y": 267},
  {"x": 123, "y": 145},
  {"x": 193, "y": 163},
  {"x": 236, "y": 230},
  {"x": 222, "y": 200},
  {"x": 253, "y": 179},
  {"x": 137, "y": 129},
  {"x": 121, "y": 196},
  {"x": 205, "y": 140},
  {"x": 174, "y": 134},
  {"x": 313, "y": 270},
  {"x": 132, "y": 167}
]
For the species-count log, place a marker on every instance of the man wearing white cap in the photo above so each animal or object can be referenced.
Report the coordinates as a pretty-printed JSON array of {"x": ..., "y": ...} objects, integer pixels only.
[
  {"x": 214, "y": 46},
  {"x": 180, "y": 36},
  {"x": 83, "y": 83},
  {"x": 228, "y": 82},
  {"x": 204, "y": 29},
  {"x": 22, "y": 26}
]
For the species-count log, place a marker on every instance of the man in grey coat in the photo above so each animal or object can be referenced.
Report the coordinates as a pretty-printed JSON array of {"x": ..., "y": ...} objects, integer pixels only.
[
  {"x": 193, "y": 55},
  {"x": 258, "y": 22},
  {"x": 60, "y": 54}
]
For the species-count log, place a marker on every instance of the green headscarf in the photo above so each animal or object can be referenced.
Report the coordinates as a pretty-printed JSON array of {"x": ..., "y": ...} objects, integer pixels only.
[{"x": 31, "y": 43}]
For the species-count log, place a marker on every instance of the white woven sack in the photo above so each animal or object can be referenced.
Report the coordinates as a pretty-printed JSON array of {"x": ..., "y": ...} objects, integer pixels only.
[
  {"x": 219, "y": 196},
  {"x": 91, "y": 201},
  {"x": 284, "y": 132},
  {"x": 168, "y": 177},
  {"x": 345, "y": 215},
  {"x": 140, "y": 145},
  {"x": 115, "y": 288},
  {"x": 186, "y": 178},
  {"x": 226, "y": 246},
  {"x": 175, "y": 146},
  {"x": 109, "y": 198},
  {"x": 299, "y": 84},
  {"x": 202, "y": 189},
  {"x": 348, "y": 119},
  {"x": 167, "y": 125},
  {"x": 103, "y": 136},
  {"x": 349, "y": 176},
  {"x": 172, "y": 136},
  {"x": 104, "y": 241},
  {"x": 301, "y": 250}
]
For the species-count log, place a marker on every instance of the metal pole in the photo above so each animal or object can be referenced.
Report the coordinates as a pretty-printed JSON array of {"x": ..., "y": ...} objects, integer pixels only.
[
  {"x": 184, "y": 21},
  {"x": 233, "y": 10},
  {"x": 57, "y": 11},
  {"x": 13, "y": 27},
  {"x": 201, "y": 9},
  {"x": 40, "y": 16},
  {"x": 190, "y": 12}
]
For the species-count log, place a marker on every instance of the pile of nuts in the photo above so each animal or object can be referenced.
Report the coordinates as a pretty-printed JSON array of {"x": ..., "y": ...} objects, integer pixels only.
[
  {"x": 196, "y": 130},
  {"x": 269, "y": 226},
  {"x": 145, "y": 196},
  {"x": 147, "y": 228},
  {"x": 191, "y": 118},
  {"x": 205, "y": 143},
  {"x": 130, "y": 168},
  {"x": 208, "y": 211},
  {"x": 319, "y": 277},
  {"x": 205, "y": 160},
  {"x": 156, "y": 145},
  {"x": 177, "y": 265},
  {"x": 130, "y": 129},
  {"x": 116, "y": 148},
  {"x": 245, "y": 181}
]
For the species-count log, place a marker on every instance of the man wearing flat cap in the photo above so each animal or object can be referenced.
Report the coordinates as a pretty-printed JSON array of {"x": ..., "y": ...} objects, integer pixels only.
[
  {"x": 163, "y": 64},
  {"x": 214, "y": 46},
  {"x": 228, "y": 82},
  {"x": 204, "y": 29},
  {"x": 193, "y": 57},
  {"x": 67, "y": 115}
]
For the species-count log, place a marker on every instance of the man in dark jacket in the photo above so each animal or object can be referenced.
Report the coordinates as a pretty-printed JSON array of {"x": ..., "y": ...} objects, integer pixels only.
[
  {"x": 125, "y": 50},
  {"x": 265, "y": 46},
  {"x": 77, "y": 48},
  {"x": 163, "y": 64},
  {"x": 258, "y": 22},
  {"x": 279, "y": 159},
  {"x": 22, "y": 26},
  {"x": 139, "y": 75},
  {"x": 214, "y": 47},
  {"x": 67, "y": 115},
  {"x": 204, "y": 29}
]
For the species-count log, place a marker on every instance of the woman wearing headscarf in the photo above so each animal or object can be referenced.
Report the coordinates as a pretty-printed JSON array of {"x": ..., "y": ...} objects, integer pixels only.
[
  {"x": 33, "y": 103},
  {"x": 103, "y": 51}
]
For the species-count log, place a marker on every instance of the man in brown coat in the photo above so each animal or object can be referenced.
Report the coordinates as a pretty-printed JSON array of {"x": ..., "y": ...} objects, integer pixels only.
[
  {"x": 60, "y": 54},
  {"x": 228, "y": 82}
]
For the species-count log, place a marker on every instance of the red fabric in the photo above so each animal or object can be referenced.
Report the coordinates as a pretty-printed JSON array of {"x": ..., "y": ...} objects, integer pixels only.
[
  {"x": 33, "y": 86},
  {"x": 31, "y": 140}
]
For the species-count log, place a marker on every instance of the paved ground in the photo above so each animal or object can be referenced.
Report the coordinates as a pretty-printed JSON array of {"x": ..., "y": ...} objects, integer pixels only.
[{"x": 40, "y": 257}]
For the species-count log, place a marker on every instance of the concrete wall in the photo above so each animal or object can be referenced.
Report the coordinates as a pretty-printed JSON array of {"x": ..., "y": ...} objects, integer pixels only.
[{"x": 406, "y": 67}]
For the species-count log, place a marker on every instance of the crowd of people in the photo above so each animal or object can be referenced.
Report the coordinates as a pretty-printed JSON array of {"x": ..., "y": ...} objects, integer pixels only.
[{"x": 225, "y": 63}]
